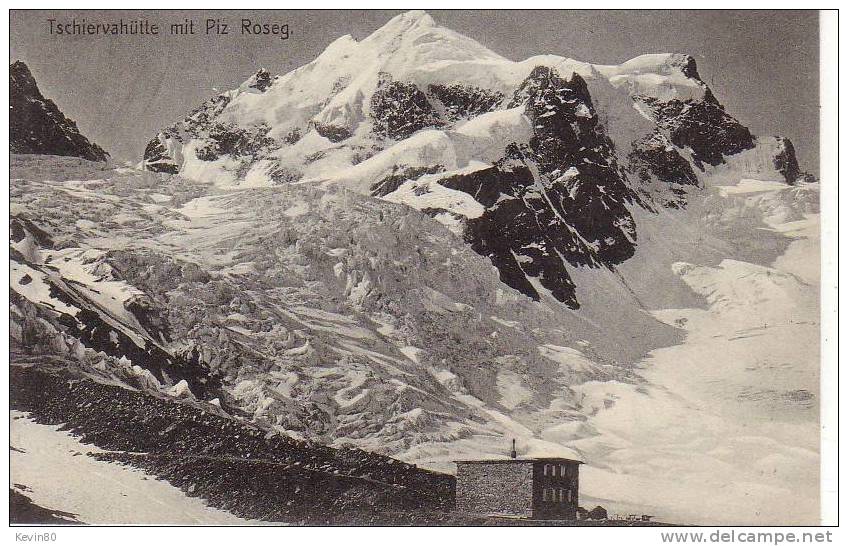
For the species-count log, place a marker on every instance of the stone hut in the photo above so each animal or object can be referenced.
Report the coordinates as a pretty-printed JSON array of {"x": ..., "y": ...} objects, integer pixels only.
[{"x": 538, "y": 488}]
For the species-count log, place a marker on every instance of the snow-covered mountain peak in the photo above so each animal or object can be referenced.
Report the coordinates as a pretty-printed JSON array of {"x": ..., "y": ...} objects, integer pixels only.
[
  {"x": 408, "y": 41},
  {"x": 407, "y": 44},
  {"x": 419, "y": 114},
  {"x": 400, "y": 24},
  {"x": 413, "y": 39},
  {"x": 662, "y": 63}
]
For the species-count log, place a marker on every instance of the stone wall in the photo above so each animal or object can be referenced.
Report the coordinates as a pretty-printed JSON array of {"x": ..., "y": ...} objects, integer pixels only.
[{"x": 504, "y": 488}]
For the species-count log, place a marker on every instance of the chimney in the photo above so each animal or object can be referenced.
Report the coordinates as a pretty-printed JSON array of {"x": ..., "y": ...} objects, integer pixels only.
[{"x": 513, "y": 454}]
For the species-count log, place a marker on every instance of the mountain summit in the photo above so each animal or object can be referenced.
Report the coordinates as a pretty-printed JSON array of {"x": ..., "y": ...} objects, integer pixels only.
[{"x": 36, "y": 124}]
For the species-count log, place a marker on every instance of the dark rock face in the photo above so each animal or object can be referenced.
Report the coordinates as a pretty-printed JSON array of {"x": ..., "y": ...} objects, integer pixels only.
[
  {"x": 20, "y": 228},
  {"x": 219, "y": 139},
  {"x": 157, "y": 159},
  {"x": 558, "y": 200},
  {"x": 393, "y": 181},
  {"x": 399, "y": 109},
  {"x": 465, "y": 101},
  {"x": 156, "y": 155},
  {"x": 785, "y": 161},
  {"x": 690, "y": 68},
  {"x": 151, "y": 316},
  {"x": 283, "y": 175},
  {"x": 261, "y": 80},
  {"x": 654, "y": 157},
  {"x": 701, "y": 125},
  {"x": 293, "y": 136},
  {"x": 97, "y": 328},
  {"x": 204, "y": 115},
  {"x": 228, "y": 139},
  {"x": 567, "y": 136},
  {"x": 332, "y": 133},
  {"x": 36, "y": 124},
  {"x": 22, "y": 511},
  {"x": 513, "y": 231}
]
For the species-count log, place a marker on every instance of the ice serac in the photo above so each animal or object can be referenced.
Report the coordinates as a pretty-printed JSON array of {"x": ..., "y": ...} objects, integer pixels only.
[{"x": 37, "y": 126}]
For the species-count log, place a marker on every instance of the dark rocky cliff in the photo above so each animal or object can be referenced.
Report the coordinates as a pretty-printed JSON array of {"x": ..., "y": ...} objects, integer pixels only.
[{"x": 36, "y": 124}]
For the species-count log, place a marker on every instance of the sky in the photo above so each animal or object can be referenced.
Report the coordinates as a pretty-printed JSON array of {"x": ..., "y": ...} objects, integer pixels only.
[{"x": 762, "y": 65}]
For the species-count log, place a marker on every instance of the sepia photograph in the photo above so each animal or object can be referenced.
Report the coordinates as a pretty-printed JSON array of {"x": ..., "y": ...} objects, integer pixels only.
[{"x": 380, "y": 268}]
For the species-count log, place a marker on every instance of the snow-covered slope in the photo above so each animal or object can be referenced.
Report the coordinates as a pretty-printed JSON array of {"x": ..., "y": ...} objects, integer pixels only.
[
  {"x": 731, "y": 413},
  {"x": 56, "y": 471}
]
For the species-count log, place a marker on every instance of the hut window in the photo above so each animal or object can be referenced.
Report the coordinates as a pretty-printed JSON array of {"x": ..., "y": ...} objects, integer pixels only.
[
  {"x": 548, "y": 469},
  {"x": 569, "y": 495},
  {"x": 562, "y": 470},
  {"x": 545, "y": 491}
]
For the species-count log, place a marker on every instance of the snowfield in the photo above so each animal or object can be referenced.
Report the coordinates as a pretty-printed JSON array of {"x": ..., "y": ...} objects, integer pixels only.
[
  {"x": 54, "y": 469},
  {"x": 730, "y": 414}
]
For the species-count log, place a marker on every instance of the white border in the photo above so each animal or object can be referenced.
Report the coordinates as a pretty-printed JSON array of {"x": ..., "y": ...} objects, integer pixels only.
[{"x": 828, "y": 32}]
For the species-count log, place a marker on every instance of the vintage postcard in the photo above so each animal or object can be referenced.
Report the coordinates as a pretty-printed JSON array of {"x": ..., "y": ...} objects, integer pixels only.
[{"x": 429, "y": 268}]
